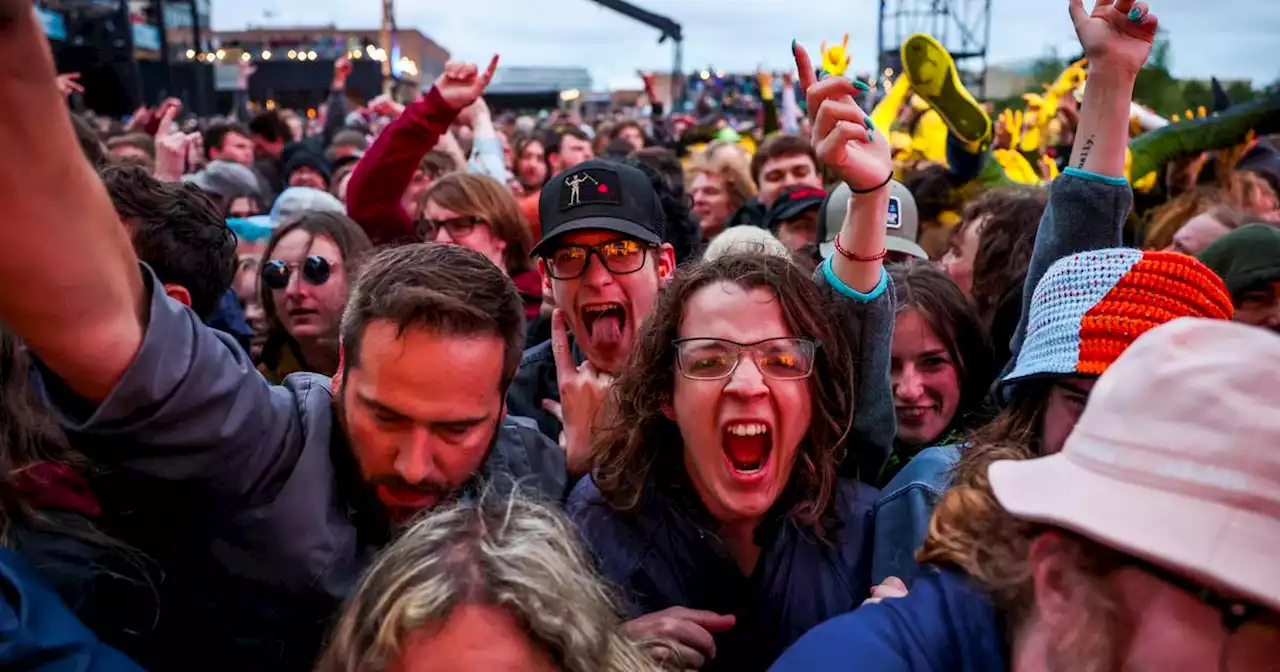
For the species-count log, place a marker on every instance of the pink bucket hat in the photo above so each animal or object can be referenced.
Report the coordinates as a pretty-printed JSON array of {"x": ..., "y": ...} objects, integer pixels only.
[{"x": 1176, "y": 459}]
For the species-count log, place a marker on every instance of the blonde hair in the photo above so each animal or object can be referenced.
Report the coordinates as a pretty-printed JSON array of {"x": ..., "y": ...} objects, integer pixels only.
[
  {"x": 485, "y": 197},
  {"x": 506, "y": 551},
  {"x": 745, "y": 240},
  {"x": 734, "y": 167}
]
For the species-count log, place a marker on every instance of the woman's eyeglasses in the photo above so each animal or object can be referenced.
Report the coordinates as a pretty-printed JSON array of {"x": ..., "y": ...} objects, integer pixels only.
[
  {"x": 718, "y": 358},
  {"x": 456, "y": 227},
  {"x": 315, "y": 270},
  {"x": 619, "y": 257}
]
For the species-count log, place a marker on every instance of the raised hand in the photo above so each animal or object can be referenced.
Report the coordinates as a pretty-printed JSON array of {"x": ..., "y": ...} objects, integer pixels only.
[
  {"x": 69, "y": 83},
  {"x": 842, "y": 135},
  {"x": 1117, "y": 35},
  {"x": 461, "y": 83},
  {"x": 341, "y": 70},
  {"x": 583, "y": 394},
  {"x": 244, "y": 70},
  {"x": 172, "y": 147}
]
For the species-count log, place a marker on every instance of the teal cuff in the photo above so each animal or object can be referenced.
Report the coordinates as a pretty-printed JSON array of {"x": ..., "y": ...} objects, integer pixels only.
[
  {"x": 1086, "y": 175},
  {"x": 849, "y": 292}
]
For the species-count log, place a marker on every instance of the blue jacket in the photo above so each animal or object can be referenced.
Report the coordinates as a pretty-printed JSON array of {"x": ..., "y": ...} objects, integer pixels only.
[
  {"x": 39, "y": 634},
  {"x": 663, "y": 555},
  {"x": 945, "y": 624},
  {"x": 1085, "y": 212}
]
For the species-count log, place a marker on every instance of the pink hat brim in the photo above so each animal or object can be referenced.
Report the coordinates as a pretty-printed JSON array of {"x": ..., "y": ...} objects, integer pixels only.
[{"x": 1217, "y": 545}]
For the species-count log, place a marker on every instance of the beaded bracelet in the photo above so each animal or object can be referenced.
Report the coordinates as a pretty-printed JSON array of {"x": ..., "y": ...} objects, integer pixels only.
[{"x": 853, "y": 257}]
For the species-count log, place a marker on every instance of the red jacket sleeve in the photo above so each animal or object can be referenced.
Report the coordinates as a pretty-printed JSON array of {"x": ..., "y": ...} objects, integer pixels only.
[{"x": 386, "y": 170}]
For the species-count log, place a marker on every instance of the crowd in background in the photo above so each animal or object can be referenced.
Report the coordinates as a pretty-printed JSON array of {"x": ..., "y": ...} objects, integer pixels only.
[{"x": 883, "y": 382}]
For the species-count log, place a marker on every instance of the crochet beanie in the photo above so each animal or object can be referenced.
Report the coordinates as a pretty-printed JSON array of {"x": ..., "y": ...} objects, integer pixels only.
[{"x": 1090, "y": 306}]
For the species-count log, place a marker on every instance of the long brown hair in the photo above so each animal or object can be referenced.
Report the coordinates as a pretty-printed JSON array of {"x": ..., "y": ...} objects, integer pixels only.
[
  {"x": 925, "y": 287},
  {"x": 971, "y": 533},
  {"x": 1011, "y": 218},
  {"x": 481, "y": 196},
  {"x": 351, "y": 241},
  {"x": 642, "y": 446}
]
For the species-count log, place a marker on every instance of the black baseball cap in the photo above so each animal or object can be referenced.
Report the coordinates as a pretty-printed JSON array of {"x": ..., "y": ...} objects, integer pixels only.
[
  {"x": 599, "y": 194},
  {"x": 792, "y": 203}
]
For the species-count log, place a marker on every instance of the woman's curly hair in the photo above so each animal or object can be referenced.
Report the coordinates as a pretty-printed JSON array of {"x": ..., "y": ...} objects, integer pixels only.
[{"x": 642, "y": 445}]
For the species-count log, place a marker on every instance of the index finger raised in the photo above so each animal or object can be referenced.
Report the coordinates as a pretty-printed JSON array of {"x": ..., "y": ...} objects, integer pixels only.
[
  {"x": 488, "y": 72},
  {"x": 565, "y": 368},
  {"x": 803, "y": 65}
]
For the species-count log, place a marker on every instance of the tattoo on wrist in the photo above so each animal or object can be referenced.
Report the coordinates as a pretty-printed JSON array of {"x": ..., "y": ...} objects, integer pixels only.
[{"x": 1084, "y": 152}]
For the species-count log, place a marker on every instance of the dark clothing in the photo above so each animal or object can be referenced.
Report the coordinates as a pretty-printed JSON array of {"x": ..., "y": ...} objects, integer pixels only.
[
  {"x": 39, "y": 634},
  {"x": 228, "y": 318},
  {"x": 387, "y": 169},
  {"x": 109, "y": 587},
  {"x": 665, "y": 554},
  {"x": 945, "y": 624},
  {"x": 751, "y": 213},
  {"x": 536, "y": 380},
  {"x": 259, "y": 480}
]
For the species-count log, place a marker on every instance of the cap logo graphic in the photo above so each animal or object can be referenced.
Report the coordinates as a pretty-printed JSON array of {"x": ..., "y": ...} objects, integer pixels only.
[
  {"x": 894, "y": 220},
  {"x": 590, "y": 187}
]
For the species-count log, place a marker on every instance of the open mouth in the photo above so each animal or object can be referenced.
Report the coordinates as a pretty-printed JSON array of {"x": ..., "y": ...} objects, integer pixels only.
[
  {"x": 747, "y": 446},
  {"x": 604, "y": 322},
  {"x": 913, "y": 415}
]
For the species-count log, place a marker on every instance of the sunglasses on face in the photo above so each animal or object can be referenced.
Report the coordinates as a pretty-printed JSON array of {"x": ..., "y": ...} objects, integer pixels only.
[
  {"x": 456, "y": 227},
  {"x": 619, "y": 257},
  {"x": 718, "y": 358},
  {"x": 315, "y": 270}
]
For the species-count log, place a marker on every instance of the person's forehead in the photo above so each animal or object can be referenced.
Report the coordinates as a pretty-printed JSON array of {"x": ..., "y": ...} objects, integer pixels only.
[
  {"x": 425, "y": 373},
  {"x": 298, "y": 244},
  {"x": 727, "y": 310},
  {"x": 787, "y": 161}
]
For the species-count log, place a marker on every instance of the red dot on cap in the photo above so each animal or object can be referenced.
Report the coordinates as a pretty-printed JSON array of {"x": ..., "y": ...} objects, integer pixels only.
[{"x": 604, "y": 189}]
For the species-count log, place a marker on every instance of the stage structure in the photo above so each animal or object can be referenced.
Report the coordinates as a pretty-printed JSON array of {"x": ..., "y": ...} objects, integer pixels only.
[
  {"x": 962, "y": 26},
  {"x": 670, "y": 30}
]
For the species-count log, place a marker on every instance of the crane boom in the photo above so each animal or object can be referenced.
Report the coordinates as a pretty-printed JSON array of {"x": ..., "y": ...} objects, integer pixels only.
[{"x": 670, "y": 31}]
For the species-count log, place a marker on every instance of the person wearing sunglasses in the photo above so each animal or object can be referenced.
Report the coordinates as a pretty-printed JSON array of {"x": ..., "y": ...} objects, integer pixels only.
[
  {"x": 604, "y": 259},
  {"x": 479, "y": 213},
  {"x": 304, "y": 278},
  {"x": 1147, "y": 543},
  {"x": 730, "y": 495}
]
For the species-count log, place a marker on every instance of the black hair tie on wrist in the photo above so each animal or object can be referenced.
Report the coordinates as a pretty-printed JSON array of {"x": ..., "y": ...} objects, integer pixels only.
[{"x": 887, "y": 180}]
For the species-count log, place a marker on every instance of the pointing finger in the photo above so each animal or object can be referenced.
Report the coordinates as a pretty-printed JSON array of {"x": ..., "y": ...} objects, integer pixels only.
[
  {"x": 804, "y": 65},
  {"x": 488, "y": 73},
  {"x": 553, "y": 407}
]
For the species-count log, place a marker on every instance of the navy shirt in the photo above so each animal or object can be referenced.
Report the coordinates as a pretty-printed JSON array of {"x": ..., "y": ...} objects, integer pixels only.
[{"x": 945, "y": 624}]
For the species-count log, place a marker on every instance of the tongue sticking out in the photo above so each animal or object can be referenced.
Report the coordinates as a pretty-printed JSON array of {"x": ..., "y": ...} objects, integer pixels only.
[
  {"x": 746, "y": 453},
  {"x": 606, "y": 330}
]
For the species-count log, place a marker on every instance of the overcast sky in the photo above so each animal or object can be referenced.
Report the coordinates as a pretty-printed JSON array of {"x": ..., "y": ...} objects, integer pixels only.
[{"x": 1232, "y": 39}]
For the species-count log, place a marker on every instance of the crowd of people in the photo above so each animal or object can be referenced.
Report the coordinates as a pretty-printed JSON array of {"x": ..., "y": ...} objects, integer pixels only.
[{"x": 428, "y": 386}]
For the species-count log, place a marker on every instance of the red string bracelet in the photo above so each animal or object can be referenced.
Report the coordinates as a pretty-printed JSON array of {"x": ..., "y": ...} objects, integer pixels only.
[{"x": 884, "y": 251}]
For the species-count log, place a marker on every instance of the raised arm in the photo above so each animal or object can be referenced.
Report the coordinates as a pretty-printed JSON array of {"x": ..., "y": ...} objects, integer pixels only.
[
  {"x": 860, "y": 156},
  {"x": 336, "y": 107},
  {"x": 381, "y": 177},
  {"x": 73, "y": 287},
  {"x": 1090, "y": 201}
]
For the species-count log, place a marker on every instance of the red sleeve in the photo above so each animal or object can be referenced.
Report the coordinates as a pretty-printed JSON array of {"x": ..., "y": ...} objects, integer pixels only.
[{"x": 384, "y": 173}]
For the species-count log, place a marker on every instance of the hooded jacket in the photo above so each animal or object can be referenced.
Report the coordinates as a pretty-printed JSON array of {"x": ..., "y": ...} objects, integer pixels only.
[
  {"x": 247, "y": 493},
  {"x": 945, "y": 624}
]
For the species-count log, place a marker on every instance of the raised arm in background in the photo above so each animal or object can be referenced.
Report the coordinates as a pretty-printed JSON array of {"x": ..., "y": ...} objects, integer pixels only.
[
  {"x": 486, "y": 148},
  {"x": 240, "y": 97},
  {"x": 1090, "y": 201},
  {"x": 789, "y": 115},
  {"x": 387, "y": 168},
  {"x": 770, "y": 122},
  {"x": 74, "y": 291},
  {"x": 336, "y": 107}
]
